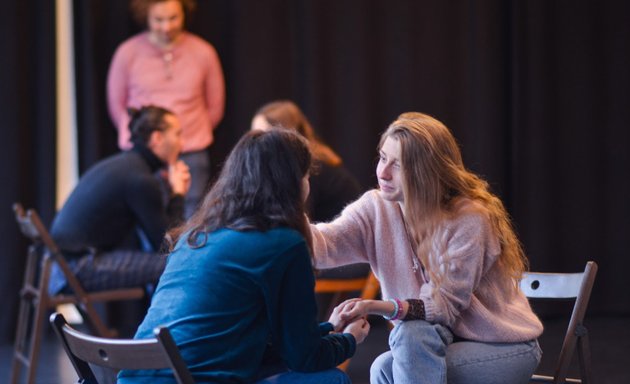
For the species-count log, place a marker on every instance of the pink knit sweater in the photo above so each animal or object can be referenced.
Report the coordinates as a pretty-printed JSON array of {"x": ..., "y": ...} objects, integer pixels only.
[{"x": 473, "y": 300}]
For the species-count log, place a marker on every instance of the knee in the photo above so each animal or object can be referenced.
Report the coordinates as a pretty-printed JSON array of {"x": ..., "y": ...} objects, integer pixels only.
[
  {"x": 420, "y": 332},
  {"x": 492, "y": 362},
  {"x": 381, "y": 369}
]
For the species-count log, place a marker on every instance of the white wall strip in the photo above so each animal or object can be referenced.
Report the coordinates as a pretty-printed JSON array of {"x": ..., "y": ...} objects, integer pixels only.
[{"x": 67, "y": 157}]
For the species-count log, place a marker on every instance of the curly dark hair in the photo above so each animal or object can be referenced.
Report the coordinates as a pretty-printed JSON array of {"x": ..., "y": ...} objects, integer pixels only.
[{"x": 140, "y": 8}]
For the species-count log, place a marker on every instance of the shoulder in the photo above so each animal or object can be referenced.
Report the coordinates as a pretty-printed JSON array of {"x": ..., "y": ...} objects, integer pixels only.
[
  {"x": 470, "y": 220},
  {"x": 275, "y": 240},
  {"x": 286, "y": 239},
  {"x": 372, "y": 201},
  {"x": 197, "y": 43},
  {"x": 469, "y": 212},
  {"x": 372, "y": 211},
  {"x": 136, "y": 172},
  {"x": 133, "y": 43}
]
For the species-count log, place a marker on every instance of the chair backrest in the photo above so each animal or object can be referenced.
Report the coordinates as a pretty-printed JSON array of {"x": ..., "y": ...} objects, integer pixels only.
[
  {"x": 32, "y": 227},
  {"x": 561, "y": 286},
  {"x": 159, "y": 352}
]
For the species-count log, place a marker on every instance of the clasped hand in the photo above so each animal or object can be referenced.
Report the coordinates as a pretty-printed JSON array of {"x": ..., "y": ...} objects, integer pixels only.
[{"x": 349, "y": 317}]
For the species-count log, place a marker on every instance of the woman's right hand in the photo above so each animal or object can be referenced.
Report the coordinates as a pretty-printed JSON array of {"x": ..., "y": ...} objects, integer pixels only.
[{"x": 179, "y": 177}]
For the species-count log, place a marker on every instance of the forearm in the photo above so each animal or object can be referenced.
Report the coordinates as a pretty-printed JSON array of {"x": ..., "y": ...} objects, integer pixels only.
[
  {"x": 387, "y": 308},
  {"x": 410, "y": 309},
  {"x": 215, "y": 90},
  {"x": 117, "y": 102}
]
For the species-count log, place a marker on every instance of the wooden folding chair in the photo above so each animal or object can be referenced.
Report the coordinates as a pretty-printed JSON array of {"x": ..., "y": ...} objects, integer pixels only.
[
  {"x": 35, "y": 301},
  {"x": 368, "y": 286},
  {"x": 159, "y": 352},
  {"x": 564, "y": 286}
]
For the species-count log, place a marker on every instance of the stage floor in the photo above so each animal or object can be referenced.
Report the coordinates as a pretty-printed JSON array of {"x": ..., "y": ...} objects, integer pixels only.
[{"x": 610, "y": 343}]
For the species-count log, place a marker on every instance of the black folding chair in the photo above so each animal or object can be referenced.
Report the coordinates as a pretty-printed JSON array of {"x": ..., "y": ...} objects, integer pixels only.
[{"x": 159, "y": 352}]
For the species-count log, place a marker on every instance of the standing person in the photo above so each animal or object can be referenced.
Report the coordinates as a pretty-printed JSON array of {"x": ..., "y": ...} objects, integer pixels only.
[
  {"x": 97, "y": 226},
  {"x": 448, "y": 261},
  {"x": 170, "y": 67},
  {"x": 237, "y": 291}
]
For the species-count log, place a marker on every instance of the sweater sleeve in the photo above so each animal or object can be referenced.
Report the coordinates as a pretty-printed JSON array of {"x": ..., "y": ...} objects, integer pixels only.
[
  {"x": 302, "y": 345},
  {"x": 466, "y": 249},
  {"x": 347, "y": 239}
]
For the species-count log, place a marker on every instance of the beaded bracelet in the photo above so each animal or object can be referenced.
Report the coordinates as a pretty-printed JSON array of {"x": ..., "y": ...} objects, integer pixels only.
[{"x": 398, "y": 308}]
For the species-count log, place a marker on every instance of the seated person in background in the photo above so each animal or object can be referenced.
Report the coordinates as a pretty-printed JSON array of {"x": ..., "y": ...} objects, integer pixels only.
[
  {"x": 237, "y": 290},
  {"x": 120, "y": 195},
  {"x": 332, "y": 185}
]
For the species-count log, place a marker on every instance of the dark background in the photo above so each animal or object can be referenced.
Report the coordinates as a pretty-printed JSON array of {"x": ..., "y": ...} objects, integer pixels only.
[{"x": 536, "y": 91}]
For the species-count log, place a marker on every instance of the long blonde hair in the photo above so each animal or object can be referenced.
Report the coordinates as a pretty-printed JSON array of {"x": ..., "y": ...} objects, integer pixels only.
[
  {"x": 434, "y": 177},
  {"x": 288, "y": 115}
]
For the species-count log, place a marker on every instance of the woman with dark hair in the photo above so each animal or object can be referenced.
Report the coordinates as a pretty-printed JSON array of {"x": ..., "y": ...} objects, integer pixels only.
[
  {"x": 237, "y": 291},
  {"x": 168, "y": 66},
  {"x": 332, "y": 186}
]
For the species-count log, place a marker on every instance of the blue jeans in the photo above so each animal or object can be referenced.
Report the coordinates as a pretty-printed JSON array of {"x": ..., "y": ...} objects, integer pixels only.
[
  {"x": 199, "y": 165},
  {"x": 422, "y": 352}
]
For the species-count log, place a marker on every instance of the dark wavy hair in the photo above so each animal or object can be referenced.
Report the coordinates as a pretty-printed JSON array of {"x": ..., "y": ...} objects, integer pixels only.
[
  {"x": 146, "y": 120},
  {"x": 259, "y": 188}
]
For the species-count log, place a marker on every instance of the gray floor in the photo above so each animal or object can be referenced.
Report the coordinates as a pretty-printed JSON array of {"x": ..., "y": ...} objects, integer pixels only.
[{"x": 610, "y": 343}]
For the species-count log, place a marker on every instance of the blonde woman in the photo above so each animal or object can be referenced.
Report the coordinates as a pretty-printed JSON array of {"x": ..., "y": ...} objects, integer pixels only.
[{"x": 449, "y": 262}]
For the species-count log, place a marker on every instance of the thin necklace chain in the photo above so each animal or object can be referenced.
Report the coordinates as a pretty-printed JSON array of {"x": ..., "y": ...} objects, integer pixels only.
[
  {"x": 414, "y": 257},
  {"x": 167, "y": 57}
]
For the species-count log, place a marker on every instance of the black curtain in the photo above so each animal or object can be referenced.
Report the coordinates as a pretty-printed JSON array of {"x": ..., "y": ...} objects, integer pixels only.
[
  {"x": 27, "y": 106},
  {"x": 535, "y": 91}
]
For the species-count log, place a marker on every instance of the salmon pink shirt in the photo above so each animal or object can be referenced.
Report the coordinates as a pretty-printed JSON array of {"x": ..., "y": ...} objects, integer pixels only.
[{"x": 186, "y": 79}]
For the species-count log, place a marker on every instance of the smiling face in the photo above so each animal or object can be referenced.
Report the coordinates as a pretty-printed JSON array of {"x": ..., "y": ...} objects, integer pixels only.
[
  {"x": 166, "y": 22},
  {"x": 389, "y": 171}
]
